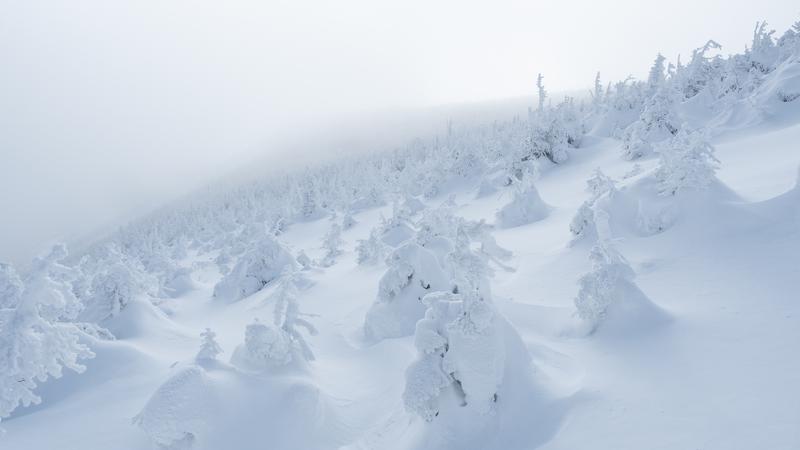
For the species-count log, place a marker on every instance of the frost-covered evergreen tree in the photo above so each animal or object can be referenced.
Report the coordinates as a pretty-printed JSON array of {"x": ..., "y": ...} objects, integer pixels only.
[
  {"x": 398, "y": 228},
  {"x": 36, "y": 341},
  {"x": 264, "y": 262},
  {"x": 656, "y": 77},
  {"x": 686, "y": 162},
  {"x": 303, "y": 260},
  {"x": 657, "y": 123},
  {"x": 481, "y": 232},
  {"x": 526, "y": 206},
  {"x": 583, "y": 223},
  {"x": 699, "y": 73},
  {"x": 331, "y": 244},
  {"x": 413, "y": 272},
  {"x": 270, "y": 346},
  {"x": 287, "y": 315},
  {"x": 371, "y": 250},
  {"x": 609, "y": 292},
  {"x": 209, "y": 348},
  {"x": 348, "y": 221},
  {"x": 460, "y": 346},
  {"x": 112, "y": 289},
  {"x": 265, "y": 346},
  {"x": 597, "y": 92},
  {"x": 542, "y": 92},
  {"x": 464, "y": 345}
]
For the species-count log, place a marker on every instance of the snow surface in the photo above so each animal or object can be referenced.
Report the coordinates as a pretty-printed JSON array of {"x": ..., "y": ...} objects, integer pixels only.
[{"x": 723, "y": 374}]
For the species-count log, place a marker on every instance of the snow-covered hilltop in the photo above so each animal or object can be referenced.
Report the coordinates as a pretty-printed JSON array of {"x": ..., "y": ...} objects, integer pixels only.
[{"x": 618, "y": 272}]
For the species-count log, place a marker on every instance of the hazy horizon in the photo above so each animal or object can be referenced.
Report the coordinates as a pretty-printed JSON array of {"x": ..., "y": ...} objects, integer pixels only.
[{"x": 109, "y": 110}]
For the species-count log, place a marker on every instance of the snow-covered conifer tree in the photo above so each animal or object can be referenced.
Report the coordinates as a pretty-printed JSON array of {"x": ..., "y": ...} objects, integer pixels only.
[
  {"x": 287, "y": 315},
  {"x": 265, "y": 346},
  {"x": 686, "y": 162},
  {"x": 331, "y": 244},
  {"x": 348, "y": 221},
  {"x": 209, "y": 348},
  {"x": 264, "y": 262},
  {"x": 526, "y": 205},
  {"x": 464, "y": 345},
  {"x": 542, "y": 92},
  {"x": 303, "y": 260},
  {"x": 413, "y": 272},
  {"x": 657, "y": 123},
  {"x": 371, "y": 250},
  {"x": 111, "y": 290},
  {"x": 583, "y": 223},
  {"x": 278, "y": 344},
  {"x": 36, "y": 341},
  {"x": 609, "y": 292},
  {"x": 597, "y": 92},
  {"x": 398, "y": 228},
  {"x": 656, "y": 77}
]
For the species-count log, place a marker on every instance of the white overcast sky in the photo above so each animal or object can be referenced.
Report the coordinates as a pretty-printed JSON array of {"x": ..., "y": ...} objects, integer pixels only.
[{"x": 109, "y": 107}]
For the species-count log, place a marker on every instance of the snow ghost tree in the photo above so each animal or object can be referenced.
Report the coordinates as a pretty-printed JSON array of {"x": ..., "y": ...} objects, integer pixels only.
[
  {"x": 460, "y": 347},
  {"x": 257, "y": 267},
  {"x": 281, "y": 343},
  {"x": 303, "y": 260},
  {"x": 597, "y": 93},
  {"x": 656, "y": 77},
  {"x": 465, "y": 347},
  {"x": 548, "y": 138},
  {"x": 584, "y": 222},
  {"x": 398, "y": 228},
  {"x": 686, "y": 162},
  {"x": 35, "y": 341},
  {"x": 111, "y": 290},
  {"x": 331, "y": 244},
  {"x": 348, "y": 221},
  {"x": 525, "y": 207},
  {"x": 609, "y": 294},
  {"x": 542, "y": 92},
  {"x": 657, "y": 122},
  {"x": 370, "y": 250},
  {"x": 264, "y": 347},
  {"x": 413, "y": 272},
  {"x": 287, "y": 315},
  {"x": 481, "y": 233},
  {"x": 209, "y": 349}
]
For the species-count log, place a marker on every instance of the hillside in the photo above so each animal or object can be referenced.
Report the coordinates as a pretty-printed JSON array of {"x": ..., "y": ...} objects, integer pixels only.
[{"x": 616, "y": 274}]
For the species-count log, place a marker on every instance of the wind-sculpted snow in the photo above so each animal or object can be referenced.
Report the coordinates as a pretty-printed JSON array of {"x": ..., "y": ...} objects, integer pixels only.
[{"x": 176, "y": 416}]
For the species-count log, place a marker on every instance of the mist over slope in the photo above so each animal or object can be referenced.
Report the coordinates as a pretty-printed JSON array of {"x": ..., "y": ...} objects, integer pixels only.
[{"x": 617, "y": 272}]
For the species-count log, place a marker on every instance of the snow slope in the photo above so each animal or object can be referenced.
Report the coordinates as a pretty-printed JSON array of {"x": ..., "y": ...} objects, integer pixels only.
[
  {"x": 722, "y": 374},
  {"x": 518, "y": 285}
]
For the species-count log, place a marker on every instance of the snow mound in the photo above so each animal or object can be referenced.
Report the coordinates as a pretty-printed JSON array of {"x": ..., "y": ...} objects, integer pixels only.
[
  {"x": 177, "y": 415},
  {"x": 217, "y": 406}
]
